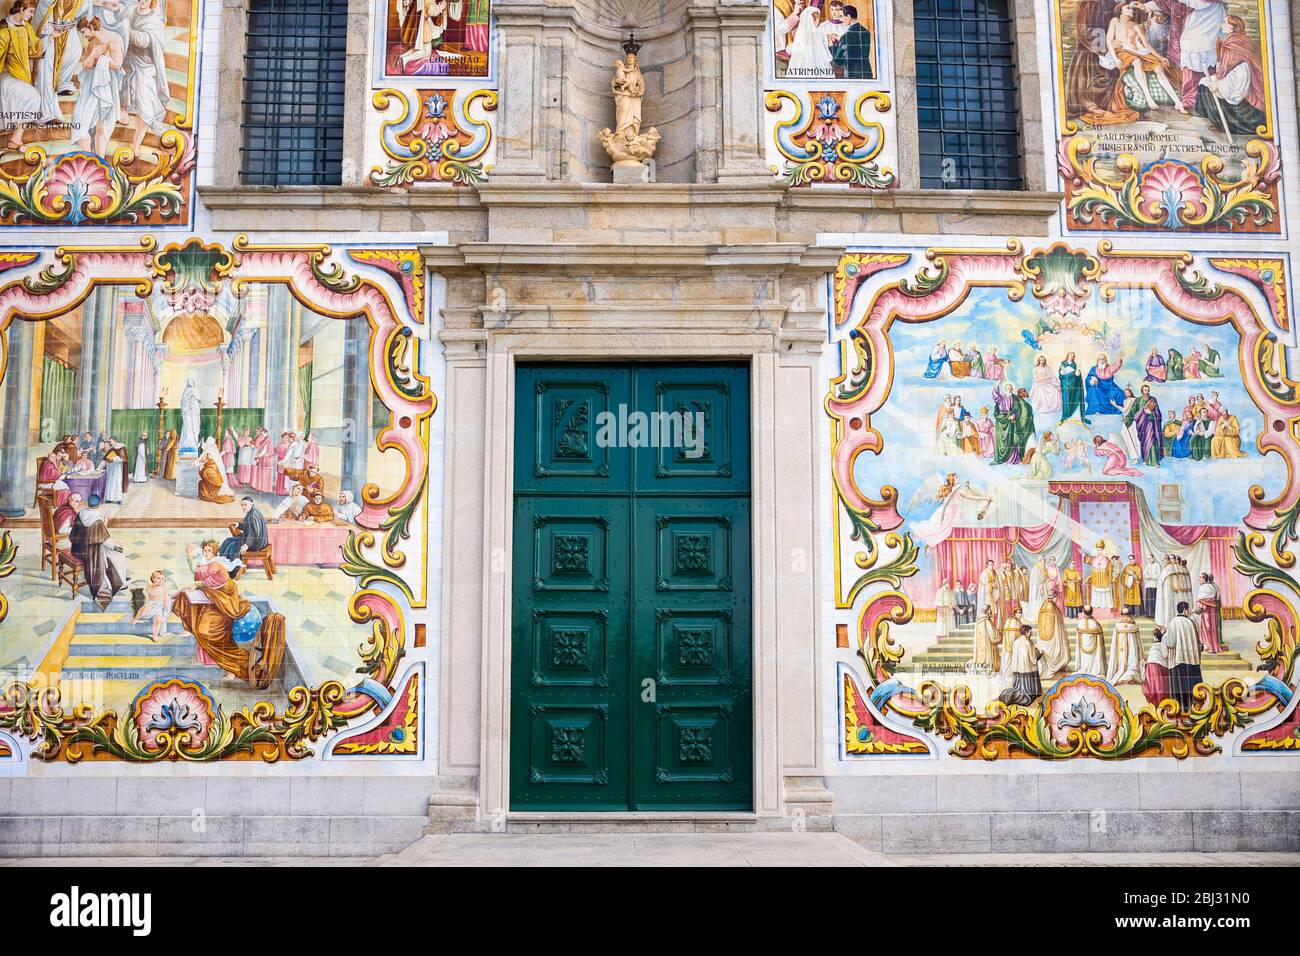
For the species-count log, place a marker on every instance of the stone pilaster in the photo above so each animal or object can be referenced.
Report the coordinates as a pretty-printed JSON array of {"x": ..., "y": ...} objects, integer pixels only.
[
  {"x": 227, "y": 133},
  {"x": 1029, "y": 80},
  {"x": 730, "y": 67},
  {"x": 356, "y": 92},
  {"x": 908, "y": 164},
  {"x": 528, "y": 120}
]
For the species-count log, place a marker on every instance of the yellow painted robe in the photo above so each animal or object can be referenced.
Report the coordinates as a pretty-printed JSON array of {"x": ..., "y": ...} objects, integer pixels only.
[
  {"x": 1073, "y": 582},
  {"x": 18, "y": 45},
  {"x": 1226, "y": 442},
  {"x": 1130, "y": 581},
  {"x": 210, "y": 484}
]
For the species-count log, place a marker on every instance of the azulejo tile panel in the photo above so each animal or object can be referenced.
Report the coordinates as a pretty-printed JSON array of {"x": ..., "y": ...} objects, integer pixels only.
[
  {"x": 1165, "y": 116},
  {"x": 828, "y": 116},
  {"x": 103, "y": 114},
  {"x": 1093, "y": 555},
  {"x": 215, "y": 458}
]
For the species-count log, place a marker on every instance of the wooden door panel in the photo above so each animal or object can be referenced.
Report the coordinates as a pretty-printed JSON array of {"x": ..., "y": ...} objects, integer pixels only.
[
  {"x": 631, "y": 608},
  {"x": 690, "y": 627},
  {"x": 569, "y": 651},
  {"x": 715, "y": 401},
  {"x": 558, "y": 409}
]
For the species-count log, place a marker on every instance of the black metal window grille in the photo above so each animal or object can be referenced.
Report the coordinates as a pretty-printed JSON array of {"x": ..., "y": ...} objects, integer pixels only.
[
  {"x": 293, "y": 92},
  {"x": 967, "y": 112}
]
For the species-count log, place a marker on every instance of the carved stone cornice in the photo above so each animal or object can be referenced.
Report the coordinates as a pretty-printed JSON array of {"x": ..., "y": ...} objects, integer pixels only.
[
  {"x": 770, "y": 259},
  {"x": 501, "y": 210}
]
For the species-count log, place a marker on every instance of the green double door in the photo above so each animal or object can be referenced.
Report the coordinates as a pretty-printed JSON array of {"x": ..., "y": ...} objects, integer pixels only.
[{"x": 630, "y": 682}]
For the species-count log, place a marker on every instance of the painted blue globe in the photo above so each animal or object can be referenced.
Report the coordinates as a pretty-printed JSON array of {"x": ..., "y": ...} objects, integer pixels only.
[{"x": 245, "y": 629}]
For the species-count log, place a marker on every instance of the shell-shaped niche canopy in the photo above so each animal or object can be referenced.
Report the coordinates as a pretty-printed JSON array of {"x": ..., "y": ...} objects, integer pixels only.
[{"x": 642, "y": 15}]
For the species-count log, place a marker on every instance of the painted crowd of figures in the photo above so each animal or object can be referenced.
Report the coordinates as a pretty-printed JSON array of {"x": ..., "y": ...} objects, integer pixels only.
[
  {"x": 1019, "y": 619},
  {"x": 1206, "y": 429}
]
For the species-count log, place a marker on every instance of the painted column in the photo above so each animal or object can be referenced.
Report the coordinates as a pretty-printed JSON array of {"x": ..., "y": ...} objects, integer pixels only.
[
  {"x": 15, "y": 492},
  {"x": 357, "y": 397},
  {"x": 85, "y": 418},
  {"x": 253, "y": 365},
  {"x": 281, "y": 376},
  {"x": 106, "y": 300}
]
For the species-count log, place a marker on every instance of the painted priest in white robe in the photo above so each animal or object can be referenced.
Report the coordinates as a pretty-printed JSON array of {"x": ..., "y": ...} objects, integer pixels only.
[
  {"x": 1125, "y": 653},
  {"x": 1092, "y": 645}
]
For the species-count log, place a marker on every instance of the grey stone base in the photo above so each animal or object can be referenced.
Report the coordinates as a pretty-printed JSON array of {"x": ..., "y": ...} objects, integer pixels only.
[
  {"x": 211, "y": 816},
  {"x": 118, "y": 836},
  {"x": 1137, "y": 812}
]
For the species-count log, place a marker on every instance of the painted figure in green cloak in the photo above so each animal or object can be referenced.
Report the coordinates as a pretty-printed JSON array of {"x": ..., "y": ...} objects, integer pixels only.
[
  {"x": 1013, "y": 420},
  {"x": 1175, "y": 362},
  {"x": 1071, "y": 390}
]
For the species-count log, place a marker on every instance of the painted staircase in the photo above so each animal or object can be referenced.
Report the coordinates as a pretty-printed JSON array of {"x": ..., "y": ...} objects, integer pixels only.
[
  {"x": 952, "y": 653},
  {"x": 107, "y": 647}
]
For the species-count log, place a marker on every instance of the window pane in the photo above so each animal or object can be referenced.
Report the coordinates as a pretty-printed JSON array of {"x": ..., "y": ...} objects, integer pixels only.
[
  {"x": 293, "y": 92},
  {"x": 967, "y": 108}
]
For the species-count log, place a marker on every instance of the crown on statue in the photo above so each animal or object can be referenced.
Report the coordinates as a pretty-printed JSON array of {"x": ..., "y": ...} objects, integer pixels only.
[
  {"x": 1101, "y": 545},
  {"x": 630, "y": 46}
]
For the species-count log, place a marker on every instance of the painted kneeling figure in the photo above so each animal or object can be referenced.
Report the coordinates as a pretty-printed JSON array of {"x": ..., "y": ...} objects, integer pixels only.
[{"x": 1026, "y": 685}]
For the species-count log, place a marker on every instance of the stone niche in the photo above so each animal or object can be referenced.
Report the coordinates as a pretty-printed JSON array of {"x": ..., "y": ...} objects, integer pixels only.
[{"x": 701, "y": 59}]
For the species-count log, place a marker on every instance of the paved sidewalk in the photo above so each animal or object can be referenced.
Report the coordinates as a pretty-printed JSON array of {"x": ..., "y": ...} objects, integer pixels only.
[
  {"x": 677, "y": 849},
  {"x": 635, "y": 849}
]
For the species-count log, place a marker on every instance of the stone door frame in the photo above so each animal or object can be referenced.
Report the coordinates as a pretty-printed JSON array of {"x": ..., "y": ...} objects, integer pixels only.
[{"x": 781, "y": 339}]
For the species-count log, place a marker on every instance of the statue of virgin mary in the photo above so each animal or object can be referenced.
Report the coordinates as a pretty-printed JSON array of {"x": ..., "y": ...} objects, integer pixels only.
[{"x": 189, "y": 417}]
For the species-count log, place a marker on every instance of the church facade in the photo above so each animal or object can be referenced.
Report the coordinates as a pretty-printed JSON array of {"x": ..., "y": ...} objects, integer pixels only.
[{"x": 757, "y": 414}]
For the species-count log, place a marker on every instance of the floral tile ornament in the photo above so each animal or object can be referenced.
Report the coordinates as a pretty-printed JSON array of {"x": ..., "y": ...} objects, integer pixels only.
[
  {"x": 434, "y": 138},
  {"x": 821, "y": 140}
]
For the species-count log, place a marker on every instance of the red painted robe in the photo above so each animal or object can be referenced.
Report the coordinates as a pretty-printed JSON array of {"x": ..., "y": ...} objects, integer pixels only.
[{"x": 49, "y": 473}]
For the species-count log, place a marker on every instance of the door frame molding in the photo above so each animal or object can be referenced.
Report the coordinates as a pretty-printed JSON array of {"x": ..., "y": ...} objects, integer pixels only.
[{"x": 783, "y": 347}]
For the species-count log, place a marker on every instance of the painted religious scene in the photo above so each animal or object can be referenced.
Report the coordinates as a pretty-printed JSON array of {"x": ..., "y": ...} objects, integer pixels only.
[
  {"x": 1063, "y": 482},
  {"x": 97, "y": 109},
  {"x": 436, "y": 37},
  {"x": 1166, "y": 117},
  {"x": 190, "y": 474},
  {"x": 824, "y": 40}
]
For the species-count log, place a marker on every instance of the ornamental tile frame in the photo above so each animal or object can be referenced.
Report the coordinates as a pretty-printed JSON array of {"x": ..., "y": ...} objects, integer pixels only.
[
  {"x": 73, "y": 170},
  {"x": 828, "y": 124},
  {"x": 430, "y": 125},
  {"x": 907, "y": 532},
  {"x": 363, "y": 305}
]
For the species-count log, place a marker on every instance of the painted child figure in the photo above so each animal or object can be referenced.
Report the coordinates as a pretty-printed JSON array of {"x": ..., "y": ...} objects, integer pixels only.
[{"x": 155, "y": 605}]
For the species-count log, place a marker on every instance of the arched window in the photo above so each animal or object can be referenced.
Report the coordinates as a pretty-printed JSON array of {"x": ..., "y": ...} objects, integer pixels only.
[
  {"x": 293, "y": 92},
  {"x": 967, "y": 115}
]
